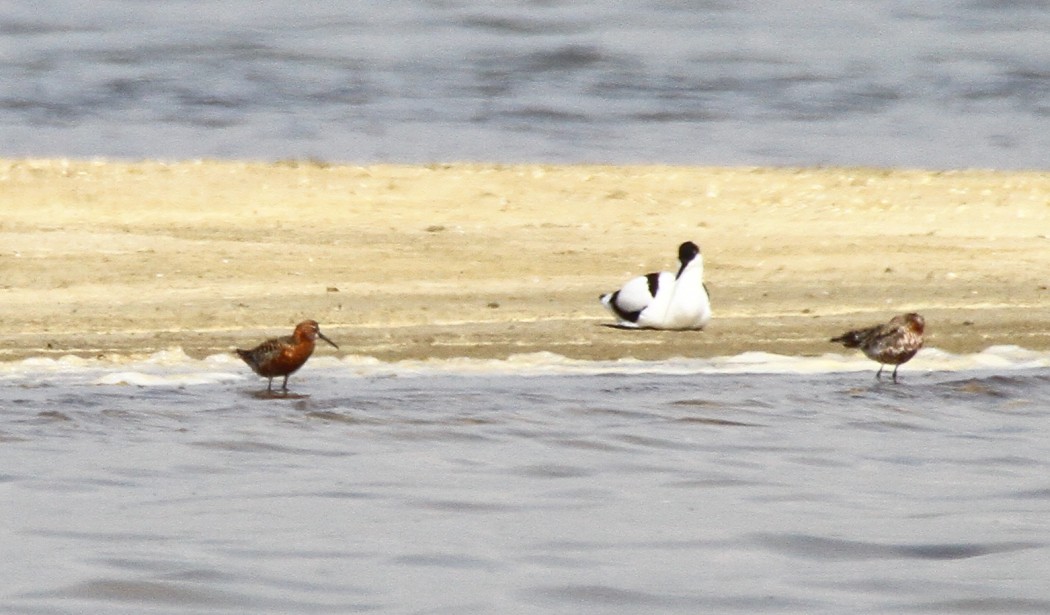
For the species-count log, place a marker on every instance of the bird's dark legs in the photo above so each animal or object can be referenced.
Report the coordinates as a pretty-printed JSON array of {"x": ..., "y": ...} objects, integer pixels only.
[
  {"x": 878, "y": 374},
  {"x": 269, "y": 386}
]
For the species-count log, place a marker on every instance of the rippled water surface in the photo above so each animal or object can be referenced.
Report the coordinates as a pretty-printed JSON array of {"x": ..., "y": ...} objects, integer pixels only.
[
  {"x": 663, "y": 487},
  {"x": 945, "y": 83}
]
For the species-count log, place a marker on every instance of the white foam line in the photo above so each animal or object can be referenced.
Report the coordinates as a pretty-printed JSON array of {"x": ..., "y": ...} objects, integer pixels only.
[{"x": 174, "y": 367}]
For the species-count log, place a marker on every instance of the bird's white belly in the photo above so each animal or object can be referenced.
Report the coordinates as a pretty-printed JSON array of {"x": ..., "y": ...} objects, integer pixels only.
[{"x": 685, "y": 308}]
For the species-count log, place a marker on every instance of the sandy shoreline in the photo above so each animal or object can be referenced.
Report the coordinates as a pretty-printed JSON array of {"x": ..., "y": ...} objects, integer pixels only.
[{"x": 486, "y": 261}]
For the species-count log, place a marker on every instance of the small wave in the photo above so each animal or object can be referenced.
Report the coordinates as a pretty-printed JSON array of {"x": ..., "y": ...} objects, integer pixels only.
[
  {"x": 143, "y": 379},
  {"x": 544, "y": 363},
  {"x": 173, "y": 367},
  {"x": 818, "y": 547}
]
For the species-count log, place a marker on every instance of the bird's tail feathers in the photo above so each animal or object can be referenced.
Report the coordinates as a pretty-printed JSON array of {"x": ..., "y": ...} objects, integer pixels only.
[{"x": 851, "y": 339}]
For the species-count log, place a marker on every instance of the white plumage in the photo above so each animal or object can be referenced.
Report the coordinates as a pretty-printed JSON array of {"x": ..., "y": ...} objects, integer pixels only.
[{"x": 665, "y": 300}]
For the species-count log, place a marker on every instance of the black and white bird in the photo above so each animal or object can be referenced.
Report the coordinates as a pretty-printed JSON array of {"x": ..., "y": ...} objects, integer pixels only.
[{"x": 665, "y": 300}]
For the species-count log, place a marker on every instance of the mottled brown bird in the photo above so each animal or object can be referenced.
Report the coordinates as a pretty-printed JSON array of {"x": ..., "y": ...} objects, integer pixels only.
[
  {"x": 893, "y": 343},
  {"x": 282, "y": 356}
]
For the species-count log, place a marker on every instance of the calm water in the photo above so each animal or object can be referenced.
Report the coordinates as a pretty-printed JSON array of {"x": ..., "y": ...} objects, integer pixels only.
[
  {"x": 740, "y": 485},
  {"x": 943, "y": 83}
]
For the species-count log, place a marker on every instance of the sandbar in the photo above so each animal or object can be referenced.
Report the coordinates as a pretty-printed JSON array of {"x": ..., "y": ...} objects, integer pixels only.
[{"x": 109, "y": 258}]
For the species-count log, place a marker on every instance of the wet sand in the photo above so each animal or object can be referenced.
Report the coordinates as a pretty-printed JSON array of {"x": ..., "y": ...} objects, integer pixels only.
[{"x": 487, "y": 261}]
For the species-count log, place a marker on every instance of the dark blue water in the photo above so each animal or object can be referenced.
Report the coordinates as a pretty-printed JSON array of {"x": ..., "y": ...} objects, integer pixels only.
[
  {"x": 176, "y": 488},
  {"x": 891, "y": 83}
]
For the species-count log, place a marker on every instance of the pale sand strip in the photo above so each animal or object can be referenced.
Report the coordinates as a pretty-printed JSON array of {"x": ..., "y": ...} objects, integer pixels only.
[{"x": 487, "y": 260}]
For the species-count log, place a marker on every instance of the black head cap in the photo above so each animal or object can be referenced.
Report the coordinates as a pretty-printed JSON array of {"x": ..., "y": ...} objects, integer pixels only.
[{"x": 688, "y": 251}]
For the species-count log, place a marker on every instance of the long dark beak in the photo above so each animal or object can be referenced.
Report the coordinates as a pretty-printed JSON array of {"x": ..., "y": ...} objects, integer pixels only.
[{"x": 321, "y": 335}]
